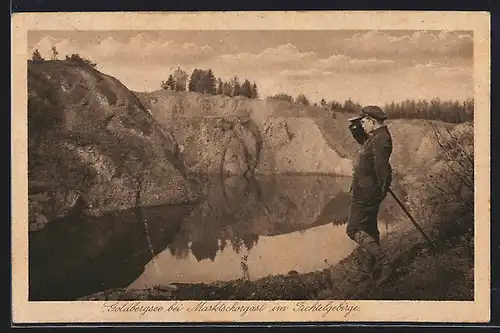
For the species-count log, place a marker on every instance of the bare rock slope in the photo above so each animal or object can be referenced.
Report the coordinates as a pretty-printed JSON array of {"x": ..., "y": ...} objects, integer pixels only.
[
  {"x": 240, "y": 135},
  {"x": 92, "y": 146}
]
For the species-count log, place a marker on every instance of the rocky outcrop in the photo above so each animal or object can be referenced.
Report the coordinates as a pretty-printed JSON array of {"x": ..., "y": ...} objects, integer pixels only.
[
  {"x": 218, "y": 145},
  {"x": 92, "y": 146},
  {"x": 297, "y": 145},
  {"x": 240, "y": 136}
]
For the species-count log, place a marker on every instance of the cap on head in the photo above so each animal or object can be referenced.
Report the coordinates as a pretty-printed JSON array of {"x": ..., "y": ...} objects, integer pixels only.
[{"x": 373, "y": 111}]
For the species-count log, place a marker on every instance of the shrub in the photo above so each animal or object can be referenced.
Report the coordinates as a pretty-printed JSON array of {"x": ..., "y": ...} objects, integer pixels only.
[
  {"x": 447, "y": 196},
  {"x": 281, "y": 97},
  {"x": 77, "y": 58},
  {"x": 37, "y": 57}
]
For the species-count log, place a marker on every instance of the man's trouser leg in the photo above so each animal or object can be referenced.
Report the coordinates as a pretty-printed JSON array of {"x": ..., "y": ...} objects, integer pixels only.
[
  {"x": 379, "y": 258},
  {"x": 363, "y": 218}
]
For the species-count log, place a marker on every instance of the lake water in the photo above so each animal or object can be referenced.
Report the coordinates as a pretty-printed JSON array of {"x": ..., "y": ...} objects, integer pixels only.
[
  {"x": 300, "y": 251},
  {"x": 252, "y": 229},
  {"x": 240, "y": 229}
]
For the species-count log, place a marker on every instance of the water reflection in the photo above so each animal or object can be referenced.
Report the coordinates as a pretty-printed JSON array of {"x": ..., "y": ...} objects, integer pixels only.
[
  {"x": 241, "y": 229},
  {"x": 77, "y": 256},
  {"x": 236, "y": 212},
  {"x": 279, "y": 254}
]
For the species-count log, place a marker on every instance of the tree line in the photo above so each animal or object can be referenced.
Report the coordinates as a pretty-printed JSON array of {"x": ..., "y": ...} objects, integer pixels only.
[
  {"x": 299, "y": 99},
  {"x": 452, "y": 111},
  {"x": 204, "y": 81}
]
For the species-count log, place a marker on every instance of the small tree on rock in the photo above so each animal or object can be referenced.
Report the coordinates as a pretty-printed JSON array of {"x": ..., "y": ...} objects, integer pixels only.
[
  {"x": 195, "y": 79},
  {"x": 169, "y": 84},
  {"x": 54, "y": 53},
  {"x": 302, "y": 99},
  {"x": 181, "y": 78},
  {"x": 246, "y": 89},
  {"x": 36, "y": 56},
  {"x": 236, "y": 86},
  {"x": 77, "y": 58},
  {"x": 282, "y": 97},
  {"x": 220, "y": 87},
  {"x": 254, "y": 91}
]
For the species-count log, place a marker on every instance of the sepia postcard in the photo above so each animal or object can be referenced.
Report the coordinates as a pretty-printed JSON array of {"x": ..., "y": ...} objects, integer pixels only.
[{"x": 196, "y": 167}]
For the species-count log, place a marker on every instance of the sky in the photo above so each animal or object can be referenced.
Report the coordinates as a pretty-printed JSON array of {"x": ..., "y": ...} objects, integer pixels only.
[{"x": 370, "y": 67}]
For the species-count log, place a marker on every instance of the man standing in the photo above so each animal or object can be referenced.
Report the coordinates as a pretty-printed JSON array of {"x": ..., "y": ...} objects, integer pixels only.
[{"x": 372, "y": 177}]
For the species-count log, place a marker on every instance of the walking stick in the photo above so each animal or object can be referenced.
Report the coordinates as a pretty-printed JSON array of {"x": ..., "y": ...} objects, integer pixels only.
[{"x": 412, "y": 219}]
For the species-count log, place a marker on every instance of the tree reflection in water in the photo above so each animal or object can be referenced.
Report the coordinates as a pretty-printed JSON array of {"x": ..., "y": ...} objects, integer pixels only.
[
  {"x": 244, "y": 267},
  {"x": 291, "y": 223},
  {"x": 236, "y": 211}
]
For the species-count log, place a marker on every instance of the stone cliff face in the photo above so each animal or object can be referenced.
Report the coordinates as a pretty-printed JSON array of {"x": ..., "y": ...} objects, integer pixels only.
[
  {"x": 241, "y": 136},
  {"x": 92, "y": 146}
]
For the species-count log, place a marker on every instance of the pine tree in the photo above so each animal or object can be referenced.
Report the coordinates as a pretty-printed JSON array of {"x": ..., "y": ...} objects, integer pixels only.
[
  {"x": 335, "y": 106},
  {"x": 349, "y": 105},
  {"x": 210, "y": 83},
  {"x": 302, "y": 99},
  {"x": 255, "y": 91},
  {"x": 171, "y": 82},
  {"x": 77, "y": 58},
  {"x": 282, "y": 97},
  {"x": 54, "y": 53},
  {"x": 37, "y": 56},
  {"x": 220, "y": 87},
  {"x": 246, "y": 89},
  {"x": 235, "y": 86},
  {"x": 195, "y": 79},
  {"x": 180, "y": 77},
  {"x": 227, "y": 89}
]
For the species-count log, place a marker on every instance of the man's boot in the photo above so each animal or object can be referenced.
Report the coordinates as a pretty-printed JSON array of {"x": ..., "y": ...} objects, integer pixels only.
[
  {"x": 385, "y": 267},
  {"x": 382, "y": 260},
  {"x": 365, "y": 268},
  {"x": 368, "y": 263}
]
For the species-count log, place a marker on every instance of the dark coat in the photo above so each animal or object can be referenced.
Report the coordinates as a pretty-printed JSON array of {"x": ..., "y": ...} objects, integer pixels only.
[{"x": 371, "y": 180}]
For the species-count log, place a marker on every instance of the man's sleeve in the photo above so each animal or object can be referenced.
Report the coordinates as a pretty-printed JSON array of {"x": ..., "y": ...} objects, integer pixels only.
[{"x": 382, "y": 150}]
